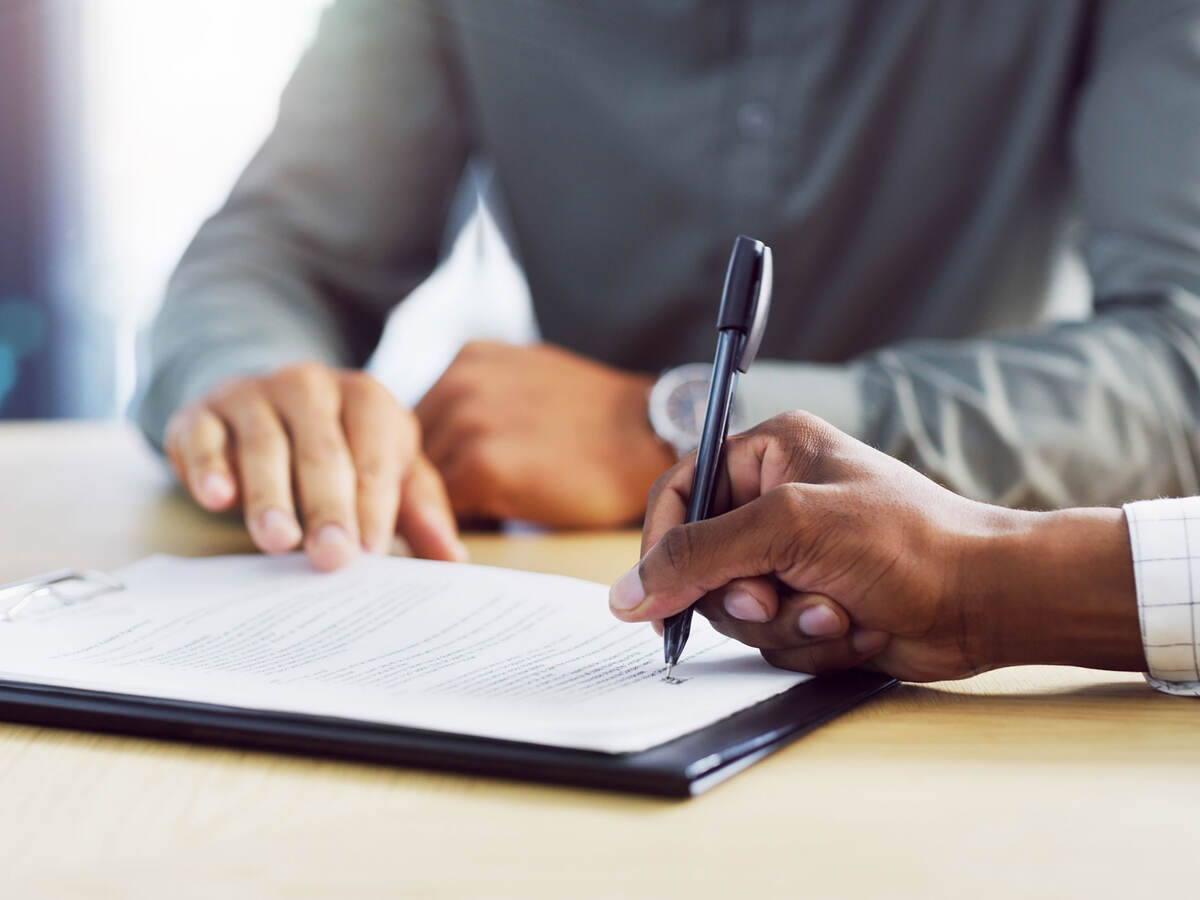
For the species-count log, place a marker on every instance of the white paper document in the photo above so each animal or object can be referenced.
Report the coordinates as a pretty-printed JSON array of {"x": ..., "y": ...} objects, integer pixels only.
[{"x": 454, "y": 648}]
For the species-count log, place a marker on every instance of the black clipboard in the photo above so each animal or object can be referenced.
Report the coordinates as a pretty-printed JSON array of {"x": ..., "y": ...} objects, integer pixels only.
[{"x": 682, "y": 767}]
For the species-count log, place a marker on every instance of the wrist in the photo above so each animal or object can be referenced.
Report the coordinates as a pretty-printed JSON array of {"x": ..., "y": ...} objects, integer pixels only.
[
  {"x": 649, "y": 455},
  {"x": 1055, "y": 588}
]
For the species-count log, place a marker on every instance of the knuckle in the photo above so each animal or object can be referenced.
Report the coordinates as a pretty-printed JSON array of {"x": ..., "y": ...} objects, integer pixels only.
[
  {"x": 262, "y": 493},
  {"x": 793, "y": 422},
  {"x": 203, "y": 442},
  {"x": 807, "y": 441},
  {"x": 319, "y": 451},
  {"x": 676, "y": 545},
  {"x": 305, "y": 377},
  {"x": 372, "y": 471},
  {"x": 787, "y": 502},
  {"x": 257, "y": 435},
  {"x": 358, "y": 385},
  {"x": 204, "y": 458},
  {"x": 788, "y": 545}
]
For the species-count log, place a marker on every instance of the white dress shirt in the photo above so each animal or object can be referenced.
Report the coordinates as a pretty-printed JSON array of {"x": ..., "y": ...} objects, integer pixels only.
[{"x": 1165, "y": 538}]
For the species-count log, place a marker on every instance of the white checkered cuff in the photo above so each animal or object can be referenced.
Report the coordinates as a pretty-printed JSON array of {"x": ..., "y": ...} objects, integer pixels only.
[{"x": 1165, "y": 538}]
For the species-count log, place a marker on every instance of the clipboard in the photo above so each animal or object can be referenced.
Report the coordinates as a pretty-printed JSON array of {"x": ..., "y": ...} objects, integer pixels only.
[{"x": 683, "y": 767}]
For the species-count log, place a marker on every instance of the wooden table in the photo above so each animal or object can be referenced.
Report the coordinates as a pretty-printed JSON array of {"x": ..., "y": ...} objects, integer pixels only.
[{"x": 1029, "y": 782}]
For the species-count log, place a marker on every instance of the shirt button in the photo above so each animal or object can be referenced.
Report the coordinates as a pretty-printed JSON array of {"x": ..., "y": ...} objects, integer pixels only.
[{"x": 755, "y": 121}]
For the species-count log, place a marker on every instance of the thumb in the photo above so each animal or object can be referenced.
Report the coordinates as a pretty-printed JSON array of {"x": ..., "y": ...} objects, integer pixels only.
[{"x": 761, "y": 538}]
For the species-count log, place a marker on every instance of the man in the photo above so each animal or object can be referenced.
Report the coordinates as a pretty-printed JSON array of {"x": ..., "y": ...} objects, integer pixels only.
[
  {"x": 918, "y": 168},
  {"x": 829, "y": 554}
]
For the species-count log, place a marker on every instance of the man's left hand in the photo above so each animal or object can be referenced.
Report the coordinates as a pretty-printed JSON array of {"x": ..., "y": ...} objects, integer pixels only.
[{"x": 540, "y": 434}]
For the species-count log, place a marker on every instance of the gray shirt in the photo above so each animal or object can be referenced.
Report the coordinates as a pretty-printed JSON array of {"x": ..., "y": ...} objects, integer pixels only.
[{"x": 918, "y": 167}]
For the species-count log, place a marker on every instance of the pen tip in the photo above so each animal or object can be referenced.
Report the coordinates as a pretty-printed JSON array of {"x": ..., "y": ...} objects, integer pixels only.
[{"x": 670, "y": 667}]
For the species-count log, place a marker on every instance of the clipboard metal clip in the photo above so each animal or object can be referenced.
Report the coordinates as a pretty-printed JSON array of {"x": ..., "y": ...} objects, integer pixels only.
[{"x": 65, "y": 586}]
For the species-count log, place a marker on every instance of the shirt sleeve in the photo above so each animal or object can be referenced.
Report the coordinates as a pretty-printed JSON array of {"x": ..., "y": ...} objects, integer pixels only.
[
  {"x": 336, "y": 219},
  {"x": 1096, "y": 412},
  {"x": 1165, "y": 538}
]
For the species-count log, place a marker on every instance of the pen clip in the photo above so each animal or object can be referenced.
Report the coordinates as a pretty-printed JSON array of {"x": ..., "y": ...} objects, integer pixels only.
[{"x": 746, "y": 298}]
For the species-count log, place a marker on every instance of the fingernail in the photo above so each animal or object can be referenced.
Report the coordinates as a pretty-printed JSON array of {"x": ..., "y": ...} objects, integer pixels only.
[
  {"x": 627, "y": 591},
  {"x": 448, "y": 534},
  {"x": 333, "y": 546},
  {"x": 278, "y": 530},
  {"x": 867, "y": 641},
  {"x": 745, "y": 606},
  {"x": 216, "y": 489},
  {"x": 819, "y": 621},
  {"x": 380, "y": 546}
]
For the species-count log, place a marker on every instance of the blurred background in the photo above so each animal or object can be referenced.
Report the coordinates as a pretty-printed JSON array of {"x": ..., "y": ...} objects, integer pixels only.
[{"x": 123, "y": 124}]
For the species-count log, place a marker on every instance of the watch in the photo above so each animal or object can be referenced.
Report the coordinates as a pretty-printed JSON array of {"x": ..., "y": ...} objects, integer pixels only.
[{"x": 677, "y": 405}]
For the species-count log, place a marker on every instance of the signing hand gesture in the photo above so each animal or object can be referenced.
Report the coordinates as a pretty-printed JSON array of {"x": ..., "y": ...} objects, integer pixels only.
[{"x": 827, "y": 555}]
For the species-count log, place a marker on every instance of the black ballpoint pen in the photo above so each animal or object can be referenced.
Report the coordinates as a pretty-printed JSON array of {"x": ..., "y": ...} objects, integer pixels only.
[{"x": 745, "y": 303}]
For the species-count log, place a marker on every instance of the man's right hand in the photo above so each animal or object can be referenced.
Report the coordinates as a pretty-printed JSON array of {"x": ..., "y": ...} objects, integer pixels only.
[
  {"x": 314, "y": 455},
  {"x": 827, "y": 554}
]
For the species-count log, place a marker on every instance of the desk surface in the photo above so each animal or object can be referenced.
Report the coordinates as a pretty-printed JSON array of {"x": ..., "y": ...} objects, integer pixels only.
[{"x": 1033, "y": 781}]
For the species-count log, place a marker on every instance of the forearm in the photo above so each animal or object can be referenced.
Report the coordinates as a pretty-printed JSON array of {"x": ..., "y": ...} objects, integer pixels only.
[
  {"x": 1079, "y": 414},
  {"x": 335, "y": 220},
  {"x": 1054, "y": 588}
]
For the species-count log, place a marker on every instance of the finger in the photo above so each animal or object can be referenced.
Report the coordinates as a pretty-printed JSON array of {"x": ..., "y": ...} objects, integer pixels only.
[
  {"x": 426, "y": 519},
  {"x": 326, "y": 485},
  {"x": 199, "y": 442},
  {"x": 787, "y": 448},
  {"x": 802, "y": 619},
  {"x": 754, "y": 600},
  {"x": 657, "y": 625},
  {"x": 764, "y": 537},
  {"x": 171, "y": 449},
  {"x": 666, "y": 506},
  {"x": 382, "y": 441},
  {"x": 828, "y": 657},
  {"x": 262, "y": 458},
  {"x": 739, "y": 482}
]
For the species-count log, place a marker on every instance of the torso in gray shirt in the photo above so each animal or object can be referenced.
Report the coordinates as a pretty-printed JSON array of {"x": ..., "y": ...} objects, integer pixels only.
[
  {"x": 907, "y": 161},
  {"x": 914, "y": 164}
]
